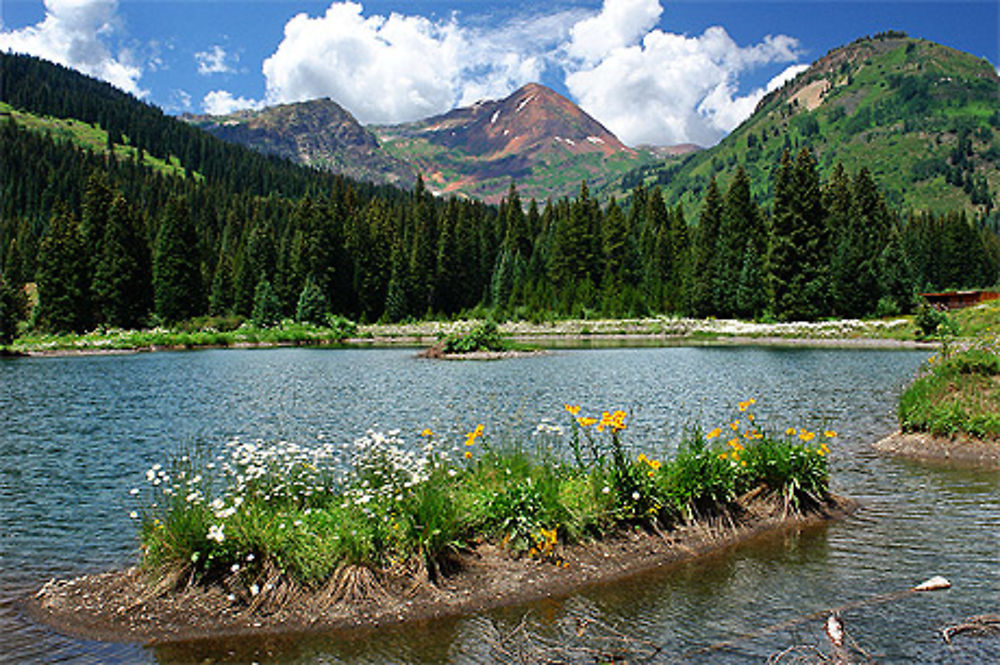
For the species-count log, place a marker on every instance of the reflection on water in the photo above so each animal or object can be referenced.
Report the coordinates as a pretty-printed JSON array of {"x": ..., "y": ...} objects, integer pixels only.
[{"x": 77, "y": 433}]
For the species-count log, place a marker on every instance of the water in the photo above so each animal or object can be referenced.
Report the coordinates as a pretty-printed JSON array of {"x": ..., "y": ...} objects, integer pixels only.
[{"x": 78, "y": 432}]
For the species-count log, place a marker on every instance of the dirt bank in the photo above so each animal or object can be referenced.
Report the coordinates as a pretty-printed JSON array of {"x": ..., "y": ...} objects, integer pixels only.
[
  {"x": 961, "y": 449},
  {"x": 125, "y": 606}
]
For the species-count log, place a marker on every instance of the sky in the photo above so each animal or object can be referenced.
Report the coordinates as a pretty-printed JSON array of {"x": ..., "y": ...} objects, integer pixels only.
[{"x": 657, "y": 72}]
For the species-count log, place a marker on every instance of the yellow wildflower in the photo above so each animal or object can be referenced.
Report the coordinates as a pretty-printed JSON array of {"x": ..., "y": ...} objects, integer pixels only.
[
  {"x": 790, "y": 431},
  {"x": 468, "y": 454},
  {"x": 807, "y": 436},
  {"x": 427, "y": 432},
  {"x": 573, "y": 410},
  {"x": 830, "y": 434},
  {"x": 586, "y": 422},
  {"x": 642, "y": 457},
  {"x": 655, "y": 464},
  {"x": 735, "y": 425},
  {"x": 714, "y": 433}
]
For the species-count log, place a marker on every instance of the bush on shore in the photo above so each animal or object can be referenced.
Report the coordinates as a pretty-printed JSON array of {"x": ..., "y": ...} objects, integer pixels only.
[{"x": 957, "y": 393}]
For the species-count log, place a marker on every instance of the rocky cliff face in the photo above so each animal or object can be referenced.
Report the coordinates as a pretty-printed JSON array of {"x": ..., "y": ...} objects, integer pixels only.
[{"x": 320, "y": 133}]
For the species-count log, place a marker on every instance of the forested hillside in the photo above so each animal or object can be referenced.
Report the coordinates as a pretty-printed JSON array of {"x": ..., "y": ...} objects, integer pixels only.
[
  {"x": 923, "y": 118},
  {"x": 114, "y": 240}
]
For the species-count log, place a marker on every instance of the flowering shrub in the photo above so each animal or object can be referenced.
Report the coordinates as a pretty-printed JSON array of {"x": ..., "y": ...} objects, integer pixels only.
[{"x": 260, "y": 512}]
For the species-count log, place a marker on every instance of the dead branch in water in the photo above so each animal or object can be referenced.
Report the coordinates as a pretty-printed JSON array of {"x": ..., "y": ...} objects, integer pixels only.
[{"x": 979, "y": 625}]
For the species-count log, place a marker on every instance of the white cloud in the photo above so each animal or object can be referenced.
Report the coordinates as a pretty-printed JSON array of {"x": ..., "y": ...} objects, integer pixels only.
[
  {"x": 619, "y": 23},
  {"x": 222, "y": 102},
  {"x": 645, "y": 84},
  {"x": 213, "y": 61},
  {"x": 784, "y": 77},
  {"x": 397, "y": 68},
  {"x": 670, "y": 88},
  {"x": 75, "y": 33}
]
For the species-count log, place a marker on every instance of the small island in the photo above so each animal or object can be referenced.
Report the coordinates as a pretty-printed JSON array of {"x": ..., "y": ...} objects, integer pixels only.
[
  {"x": 951, "y": 412},
  {"x": 285, "y": 537},
  {"x": 482, "y": 341}
]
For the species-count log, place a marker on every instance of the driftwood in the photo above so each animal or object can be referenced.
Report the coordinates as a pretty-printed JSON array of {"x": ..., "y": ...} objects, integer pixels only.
[{"x": 979, "y": 625}]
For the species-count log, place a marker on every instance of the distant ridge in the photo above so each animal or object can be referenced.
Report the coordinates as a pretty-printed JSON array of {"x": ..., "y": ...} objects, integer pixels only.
[{"x": 535, "y": 136}]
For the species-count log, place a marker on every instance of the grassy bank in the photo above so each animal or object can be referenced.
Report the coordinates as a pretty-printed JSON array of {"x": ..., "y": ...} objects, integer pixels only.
[
  {"x": 462, "y": 336},
  {"x": 957, "y": 393},
  {"x": 192, "y": 334},
  {"x": 261, "y": 519}
]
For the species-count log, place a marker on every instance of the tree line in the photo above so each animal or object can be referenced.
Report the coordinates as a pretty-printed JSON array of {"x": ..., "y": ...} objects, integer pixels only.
[
  {"x": 830, "y": 249},
  {"x": 111, "y": 241}
]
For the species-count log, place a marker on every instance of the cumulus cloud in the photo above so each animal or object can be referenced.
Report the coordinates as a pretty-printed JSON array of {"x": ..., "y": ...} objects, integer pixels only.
[
  {"x": 619, "y": 23},
  {"x": 671, "y": 88},
  {"x": 397, "y": 68},
  {"x": 645, "y": 84},
  {"x": 214, "y": 61},
  {"x": 222, "y": 102},
  {"x": 75, "y": 33}
]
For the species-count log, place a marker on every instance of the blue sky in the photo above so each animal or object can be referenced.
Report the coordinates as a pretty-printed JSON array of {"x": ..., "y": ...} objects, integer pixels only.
[{"x": 653, "y": 71}]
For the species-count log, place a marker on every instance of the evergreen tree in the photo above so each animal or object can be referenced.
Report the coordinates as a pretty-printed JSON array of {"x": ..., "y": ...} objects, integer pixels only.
[
  {"x": 11, "y": 311},
  {"x": 220, "y": 301},
  {"x": 895, "y": 277},
  {"x": 799, "y": 247},
  {"x": 705, "y": 254},
  {"x": 740, "y": 230},
  {"x": 312, "y": 306},
  {"x": 97, "y": 202},
  {"x": 123, "y": 280},
  {"x": 177, "y": 285},
  {"x": 63, "y": 291},
  {"x": 676, "y": 298},
  {"x": 266, "y": 308}
]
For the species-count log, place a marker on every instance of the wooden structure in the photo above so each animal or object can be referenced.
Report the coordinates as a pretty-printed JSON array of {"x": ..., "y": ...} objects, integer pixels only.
[{"x": 959, "y": 299}]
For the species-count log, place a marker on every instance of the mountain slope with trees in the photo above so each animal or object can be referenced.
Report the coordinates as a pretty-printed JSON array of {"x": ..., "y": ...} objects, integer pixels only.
[
  {"x": 110, "y": 239},
  {"x": 923, "y": 118}
]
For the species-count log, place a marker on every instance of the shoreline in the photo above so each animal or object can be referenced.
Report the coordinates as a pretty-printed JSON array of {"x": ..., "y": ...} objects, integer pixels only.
[
  {"x": 120, "y": 606},
  {"x": 961, "y": 450},
  {"x": 544, "y": 341}
]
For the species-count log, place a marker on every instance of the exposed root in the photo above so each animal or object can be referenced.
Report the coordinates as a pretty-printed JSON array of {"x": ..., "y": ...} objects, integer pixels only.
[
  {"x": 352, "y": 584},
  {"x": 979, "y": 626}
]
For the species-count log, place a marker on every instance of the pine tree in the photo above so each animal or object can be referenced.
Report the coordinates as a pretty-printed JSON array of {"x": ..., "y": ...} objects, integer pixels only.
[
  {"x": 705, "y": 254},
  {"x": 312, "y": 306},
  {"x": 123, "y": 280},
  {"x": 798, "y": 256},
  {"x": 266, "y": 308},
  {"x": 740, "y": 230},
  {"x": 177, "y": 285},
  {"x": 97, "y": 201},
  {"x": 63, "y": 290},
  {"x": 11, "y": 311}
]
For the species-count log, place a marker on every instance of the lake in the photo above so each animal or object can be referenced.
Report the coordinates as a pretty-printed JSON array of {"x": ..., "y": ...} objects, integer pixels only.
[{"x": 78, "y": 432}]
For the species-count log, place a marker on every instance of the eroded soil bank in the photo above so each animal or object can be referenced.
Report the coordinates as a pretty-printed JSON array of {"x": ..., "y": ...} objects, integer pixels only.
[
  {"x": 126, "y": 606},
  {"x": 961, "y": 449}
]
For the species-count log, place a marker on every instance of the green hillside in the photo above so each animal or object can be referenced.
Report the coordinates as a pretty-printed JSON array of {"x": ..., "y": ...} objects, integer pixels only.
[
  {"x": 90, "y": 137},
  {"x": 922, "y": 117}
]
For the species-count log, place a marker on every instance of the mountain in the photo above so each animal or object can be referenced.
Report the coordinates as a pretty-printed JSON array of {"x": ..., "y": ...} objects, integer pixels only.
[
  {"x": 535, "y": 136},
  {"x": 923, "y": 118},
  {"x": 319, "y": 133}
]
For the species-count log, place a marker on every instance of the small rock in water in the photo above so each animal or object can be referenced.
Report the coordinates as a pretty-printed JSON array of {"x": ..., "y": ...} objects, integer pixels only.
[{"x": 933, "y": 584}]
